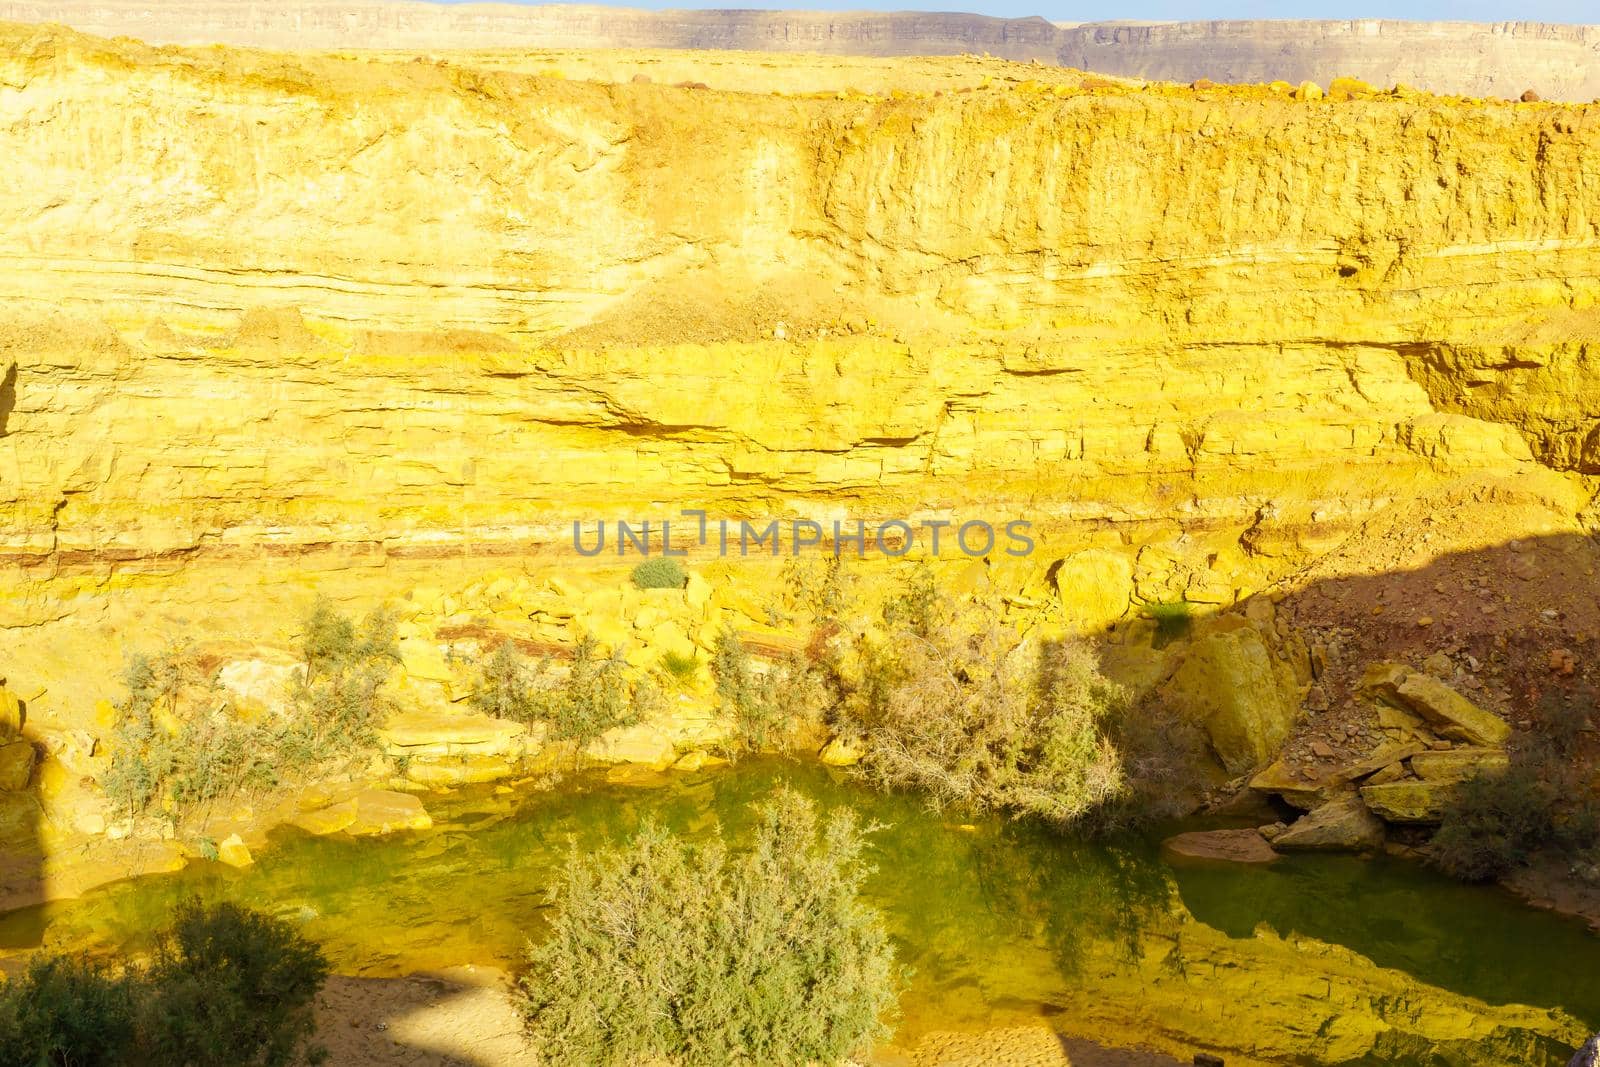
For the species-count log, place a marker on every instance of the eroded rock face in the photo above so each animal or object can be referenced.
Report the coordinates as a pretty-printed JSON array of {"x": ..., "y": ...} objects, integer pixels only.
[
  {"x": 1246, "y": 698},
  {"x": 1189, "y": 390}
]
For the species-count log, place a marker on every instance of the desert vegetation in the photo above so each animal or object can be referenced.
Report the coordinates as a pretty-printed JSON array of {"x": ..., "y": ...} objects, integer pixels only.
[
  {"x": 665, "y": 951},
  {"x": 769, "y": 702},
  {"x": 179, "y": 743},
  {"x": 952, "y": 702},
  {"x": 591, "y": 694},
  {"x": 1538, "y": 805},
  {"x": 224, "y": 987},
  {"x": 659, "y": 572}
]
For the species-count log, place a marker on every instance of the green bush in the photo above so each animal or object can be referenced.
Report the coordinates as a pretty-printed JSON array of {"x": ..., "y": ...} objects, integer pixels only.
[
  {"x": 680, "y": 669},
  {"x": 661, "y": 572},
  {"x": 339, "y": 694},
  {"x": 593, "y": 696},
  {"x": 696, "y": 955},
  {"x": 507, "y": 685},
  {"x": 767, "y": 703},
  {"x": 229, "y": 986},
  {"x": 67, "y": 1012},
  {"x": 953, "y": 704},
  {"x": 1174, "y": 619},
  {"x": 226, "y": 987},
  {"x": 1498, "y": 822},
  {"x": 178, "y": 744}
]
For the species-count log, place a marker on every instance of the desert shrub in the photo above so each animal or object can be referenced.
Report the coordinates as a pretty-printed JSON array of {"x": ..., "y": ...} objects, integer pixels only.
[
  {"x": 660, "y": 950},
  {"x": 1495, "y": 824},
  {"x": 659, "y": 572},
  {"x": 217, "y": 756},
  {"x": 178, "y": 744},
  {"x": 820, "y": 586},
  {"x": 146, "y": 751},
  {"x": 1166, "y": 762},
  {"x": 1500, "y": 821},
  {"x": 596, "y": 696},
  {"x": 592, "y": 696},
  {"x": 507, "y": 685},
  {"x": 769, "y": 701},
  {"x": 67, "y": 1012},
  {"x": 339, "y": 695},
  {"x": 231, "y": 986},
  {"x": 953, "y": 704},
  {"x": 225, "y": 987},
  {"x": 1563, "y": 717}
]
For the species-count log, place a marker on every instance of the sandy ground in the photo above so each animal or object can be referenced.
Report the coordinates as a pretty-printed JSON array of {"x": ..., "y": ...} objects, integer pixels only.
[
  {"x": 458, "y": 1017},
  {"x": 462, "y": 1018}
]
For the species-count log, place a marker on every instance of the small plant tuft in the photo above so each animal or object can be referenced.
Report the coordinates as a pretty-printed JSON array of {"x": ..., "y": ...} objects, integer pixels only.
[{"x": 661, "y": 572}]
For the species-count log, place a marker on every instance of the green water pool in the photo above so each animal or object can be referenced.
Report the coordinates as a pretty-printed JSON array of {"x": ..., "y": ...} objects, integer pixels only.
[{"x": 1311, "y": 960}]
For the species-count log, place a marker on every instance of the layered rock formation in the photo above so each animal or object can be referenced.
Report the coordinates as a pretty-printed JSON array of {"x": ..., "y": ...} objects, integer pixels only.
[
  {"x": 1476, "y": 59},
  {"x": 291, "y": 314}
]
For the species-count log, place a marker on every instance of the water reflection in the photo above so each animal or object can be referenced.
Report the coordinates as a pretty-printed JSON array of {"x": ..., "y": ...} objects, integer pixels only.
[{"x": 996, "y": 922}]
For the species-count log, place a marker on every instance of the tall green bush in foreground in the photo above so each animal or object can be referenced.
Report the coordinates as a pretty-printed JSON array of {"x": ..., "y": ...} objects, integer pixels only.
[
  {"x": 703, "y": 955},
  {"x": 227, "y": 987}
]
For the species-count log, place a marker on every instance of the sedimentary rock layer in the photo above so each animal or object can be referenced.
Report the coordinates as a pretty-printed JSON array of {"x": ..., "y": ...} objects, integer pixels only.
[{"x": 267, "y": 305}]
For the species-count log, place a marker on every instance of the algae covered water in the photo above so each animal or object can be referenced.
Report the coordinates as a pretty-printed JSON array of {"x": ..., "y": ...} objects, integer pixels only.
[{"x": 1311, "y": 960}]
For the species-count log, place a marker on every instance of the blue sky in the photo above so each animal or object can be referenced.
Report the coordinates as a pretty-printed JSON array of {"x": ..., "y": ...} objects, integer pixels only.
[{"x": 1097, "y": 10}]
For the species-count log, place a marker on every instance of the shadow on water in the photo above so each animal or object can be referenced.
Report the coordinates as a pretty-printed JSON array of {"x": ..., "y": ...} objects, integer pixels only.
[{"x": 1468, "y": 939}]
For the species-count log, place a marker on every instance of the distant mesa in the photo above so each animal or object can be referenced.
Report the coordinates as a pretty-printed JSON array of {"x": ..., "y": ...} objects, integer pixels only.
[{"x": 1513, "y": 60}]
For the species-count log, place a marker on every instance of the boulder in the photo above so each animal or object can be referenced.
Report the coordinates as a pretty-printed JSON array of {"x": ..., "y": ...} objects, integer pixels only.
[
  {"x": 332, "y": 819},
  {"x": 1451, "y": 714},
  {"x": 258, "y": 685},
  {"x": 841, "y": 751},
  {"x": 11, "y": 716},
  {"x": 1244, "y": 697},
  {"x": 447, "y": 733},
  {"x": 444, "y": 772},
  {"x": 369, "y": 813},
  {"x": 1416, "y": 803},
  {"x": 1588, "y": 1055},
  {"x": 645, "y": 744},
  {"x": 16, "y": 765},
  {"x": 1458, "y": 764},
  {"x": 383, "y": 811},
  {"x": 1446, "y": 711},
  {"x": 1226, "y": 846},
  {"x": 234, "y": 852},
  {"x": 423, "y": 660},
  {"x": 1342, "y": 825},
  {"x": 1383, "y": 757},
  {"x": 1301, "y": 793},
  {"x": 697, "y": 592}
]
